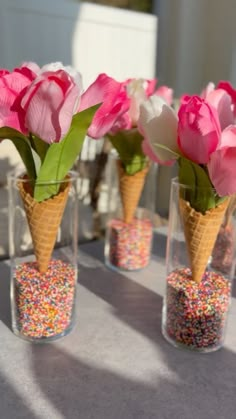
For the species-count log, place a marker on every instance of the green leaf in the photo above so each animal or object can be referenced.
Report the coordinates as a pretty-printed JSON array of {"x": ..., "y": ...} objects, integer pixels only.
[
  {"x": 187, "y": 177},
  {"x": 201, "y": 194},
  {"x": 61, "y": 156},
  {"x": 39, "y": 146},
  {"x": 163, "y": 147},
  {"x": 129, "y": 147},
  {"x": 22, "y": 144}
]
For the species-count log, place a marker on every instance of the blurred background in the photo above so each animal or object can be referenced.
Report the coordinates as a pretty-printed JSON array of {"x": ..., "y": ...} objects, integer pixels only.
[{"x": 184, "y": 43}]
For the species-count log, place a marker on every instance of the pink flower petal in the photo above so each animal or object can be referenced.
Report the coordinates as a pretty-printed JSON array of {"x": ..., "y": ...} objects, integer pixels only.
[
  {"x": 108, "y": 114},
  {"x": 11, "y": 86},
  {"x": 41, "y": 110},
  {"x": 222, "y": 167},
  {"x": 103, "y": 87},
  {"x": 198, "y": 130},
  {"x": 222, "y": 103},
  {"x": 166, "y": 93},
  {"x": 67, "y": 109}
]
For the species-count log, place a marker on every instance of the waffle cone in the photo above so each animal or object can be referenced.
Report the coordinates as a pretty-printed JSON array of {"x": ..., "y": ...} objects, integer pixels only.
[
  {"x": 200, "y": 231},
  {"x": 44, "y": 219},
  {"x": 131, "y": 187}
]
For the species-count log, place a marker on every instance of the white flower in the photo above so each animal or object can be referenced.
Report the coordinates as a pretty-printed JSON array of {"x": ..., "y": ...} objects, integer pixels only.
[
  {"x": 137, "y": 94},
  {"x": 158, "y": 123}
]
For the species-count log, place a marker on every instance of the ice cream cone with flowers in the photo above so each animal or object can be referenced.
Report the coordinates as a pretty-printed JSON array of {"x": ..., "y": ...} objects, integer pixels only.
[
  {"x": 40, "y": 112},
  {"x": 129, "y": 226},
  {"x": 202, "y": 139},
  {"x": 122, "y": 102}
]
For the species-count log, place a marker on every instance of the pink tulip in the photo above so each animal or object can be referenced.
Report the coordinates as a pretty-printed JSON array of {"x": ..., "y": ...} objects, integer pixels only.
[
  {"x": 58, "y": 65},
  {"x": 184, "y": 99},
  {"x": 227, "y": 86},
  {"x": 120, "y": 103},
  {"x": 12, "y": 87},
  {"x": 33, "y": 67},
  {"x": 158, "y": 124},
  {"x": 149, "y": 86},
  {"x": 115, "y": 102},
  {"x": 3, "y": 72},
  {"x": 221, "y": 166},
  {"x": 49, "y": 104},
  {"x": 221, "y": 101},
  {"x": 166, "y": 93},
  {"x": 198, "y": 130}
]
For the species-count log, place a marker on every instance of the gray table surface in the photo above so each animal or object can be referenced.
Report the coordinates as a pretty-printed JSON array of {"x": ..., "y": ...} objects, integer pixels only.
[{"x": 115, "y": 363}]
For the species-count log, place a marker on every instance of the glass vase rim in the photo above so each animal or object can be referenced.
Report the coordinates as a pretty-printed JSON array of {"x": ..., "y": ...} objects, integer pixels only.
[{"x": 19, "y": 176}]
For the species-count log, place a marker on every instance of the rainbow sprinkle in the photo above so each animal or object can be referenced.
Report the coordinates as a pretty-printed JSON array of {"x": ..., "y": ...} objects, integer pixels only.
[
  {"x": 130, "y": 244},
  {"x": 44, "y": 302},
  {"x": 196, "y": 313}
]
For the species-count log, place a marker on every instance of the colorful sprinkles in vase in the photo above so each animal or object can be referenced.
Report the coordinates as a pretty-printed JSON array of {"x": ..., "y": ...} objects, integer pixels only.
[
  {"x": 130, "y": 244},
  {"x": 44, "y": 302},
  {"x": 196, "y": 313}
]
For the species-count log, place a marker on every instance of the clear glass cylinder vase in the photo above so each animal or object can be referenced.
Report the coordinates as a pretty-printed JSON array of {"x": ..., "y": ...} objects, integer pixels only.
[
  {"x": 43, "y": 241},
  {"x": 129, "y": 228},
  {"x": 199, "y": 271}
]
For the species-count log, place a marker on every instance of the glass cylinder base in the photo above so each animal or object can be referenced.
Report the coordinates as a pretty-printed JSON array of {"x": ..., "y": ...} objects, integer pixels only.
[
  {"x": 129, "y": 229},
  {"x": 199, "y": 275},
  {"x": 43, "y": 252},
  {"x": 129, "y": 245},
  {"x": 195, "y": 314},
  {"x": 43, "y": 304}
]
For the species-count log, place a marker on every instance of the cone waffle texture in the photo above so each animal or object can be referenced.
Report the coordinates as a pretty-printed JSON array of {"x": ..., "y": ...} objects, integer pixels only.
[
  {"x": 44, "y": 219},
  {"x": 200, "y": 231},
  {"x": 131, "y": 187}
]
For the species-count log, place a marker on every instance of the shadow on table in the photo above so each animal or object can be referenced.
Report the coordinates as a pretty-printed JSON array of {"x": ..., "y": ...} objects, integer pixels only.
[
  {"x": 5, "y": 306},
  {"x": 132, "y": 302},
  {"x": 190, "y": 386},
  {"x": 12, "y": 405},
  {"x": 176, "y": 384}
]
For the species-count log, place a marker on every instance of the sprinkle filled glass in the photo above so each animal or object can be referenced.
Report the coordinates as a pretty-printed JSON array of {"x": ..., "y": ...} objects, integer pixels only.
[
  {"x": 43, "y": 239},
  {"x": 129, "y": 229},
  {"x": 199, "y": 275}
]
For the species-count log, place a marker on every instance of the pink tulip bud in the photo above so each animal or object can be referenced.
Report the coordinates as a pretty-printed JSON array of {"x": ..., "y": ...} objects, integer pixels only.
[
  {"x": 222, "y": 167},
  {"x": 49, "y": 105},
  {"x": 115, "y": 102},
  {"x": 166, "y": 93},
  {"x": 198, "y": 130},
  {"x": 12, "y": 87}
]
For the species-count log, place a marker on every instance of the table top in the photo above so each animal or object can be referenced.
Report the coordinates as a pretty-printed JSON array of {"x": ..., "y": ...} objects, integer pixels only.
[{"x": 115, "y": 363}]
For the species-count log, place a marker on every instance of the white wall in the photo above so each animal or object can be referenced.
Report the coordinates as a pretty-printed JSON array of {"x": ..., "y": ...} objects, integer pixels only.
[{"x": 92, "y": 38}]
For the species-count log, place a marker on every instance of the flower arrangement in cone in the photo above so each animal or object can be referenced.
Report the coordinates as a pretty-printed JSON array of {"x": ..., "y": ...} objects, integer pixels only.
[
  {"x": 117, "y": 120},
  {"x": 129, "y": 230},
  {"x": 41, "y": 113},
  {"x": 202, "y": 139}
]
